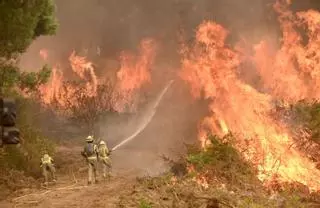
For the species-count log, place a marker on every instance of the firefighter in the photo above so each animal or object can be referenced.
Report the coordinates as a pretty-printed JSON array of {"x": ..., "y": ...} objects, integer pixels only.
[
  {"x": 47, "y": 167},
  {"x": 90, "y": 152},
  {"x": 103, "y": 154}
]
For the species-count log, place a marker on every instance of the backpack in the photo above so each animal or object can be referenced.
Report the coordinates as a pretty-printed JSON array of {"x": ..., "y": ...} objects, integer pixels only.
[{"x": 89, "y": 150}]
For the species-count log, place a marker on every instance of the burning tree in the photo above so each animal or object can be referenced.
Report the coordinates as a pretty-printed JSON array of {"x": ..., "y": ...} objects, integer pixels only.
[
  {"x": 88, "y": 96},
  {"x": 85, "y": 108}
]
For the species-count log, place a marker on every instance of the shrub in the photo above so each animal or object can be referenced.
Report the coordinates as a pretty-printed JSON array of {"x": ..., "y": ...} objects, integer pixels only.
[
  {"x": 308, "y": 115},
  {"x": 145, "y": 204},
  {"x": 26, "y": 156},
  {"x": 222, "y": 159}
]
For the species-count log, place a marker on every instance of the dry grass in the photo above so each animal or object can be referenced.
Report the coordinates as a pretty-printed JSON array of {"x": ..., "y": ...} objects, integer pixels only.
[{"x": 232, "y": 183}]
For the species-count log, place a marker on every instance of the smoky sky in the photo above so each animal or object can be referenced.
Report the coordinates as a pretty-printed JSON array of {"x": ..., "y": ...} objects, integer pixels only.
[{"x": 117, "y": 25}]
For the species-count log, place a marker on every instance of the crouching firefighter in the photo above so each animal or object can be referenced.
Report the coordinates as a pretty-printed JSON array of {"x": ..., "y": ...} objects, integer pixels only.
[
  {"x": 90, "y": 152},
  {"x": 103, "y": 154},
  {"x": 47, "y": 167}
]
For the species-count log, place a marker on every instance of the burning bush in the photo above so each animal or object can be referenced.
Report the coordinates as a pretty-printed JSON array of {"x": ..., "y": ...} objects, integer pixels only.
[
  {"x": 289, "y": 73},
  {"x": 217, "y": 177},
  {"x": 221, "y": 160},
  {"x": 308, "y": 115},
  {"x": 85, "y": 95}
]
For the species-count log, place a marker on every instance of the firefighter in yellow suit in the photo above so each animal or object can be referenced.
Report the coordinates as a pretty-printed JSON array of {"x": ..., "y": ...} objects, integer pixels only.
[
  {"x": 90, "y": 152},
  {"x": 103, "y": 155},
  {"x": 47, "y": 167}
]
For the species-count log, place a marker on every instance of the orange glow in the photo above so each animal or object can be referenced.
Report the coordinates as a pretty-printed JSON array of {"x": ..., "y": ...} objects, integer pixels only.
[
  {"x": 202, "y": 181},
  {"x": 199, "y": 178},
  {"x": 133, "y": 74},
  {"x": 43, "y": 54},
  {"x": 210, "y": 66}
]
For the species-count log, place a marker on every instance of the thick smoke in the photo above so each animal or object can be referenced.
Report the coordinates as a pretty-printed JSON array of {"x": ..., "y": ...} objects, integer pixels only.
[
  {"x": 120, "y": 25},
  {"x": 111, "y": 26}
]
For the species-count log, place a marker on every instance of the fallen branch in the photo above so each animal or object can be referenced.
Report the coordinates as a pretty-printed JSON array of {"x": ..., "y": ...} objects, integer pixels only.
[
  {"x": 71, "y": 187},
  {"x": 20, "y": 197}
]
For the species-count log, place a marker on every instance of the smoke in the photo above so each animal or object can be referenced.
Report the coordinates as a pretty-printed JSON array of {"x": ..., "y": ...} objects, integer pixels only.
[
  {"x": 120, "y": 25},
  {"x": 101, "y": 29}
]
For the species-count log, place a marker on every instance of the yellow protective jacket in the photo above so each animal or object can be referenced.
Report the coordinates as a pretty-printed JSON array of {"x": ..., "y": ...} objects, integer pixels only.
[
  {"x": 46, "y": 159},
  {"x": 103, "y": 151}
]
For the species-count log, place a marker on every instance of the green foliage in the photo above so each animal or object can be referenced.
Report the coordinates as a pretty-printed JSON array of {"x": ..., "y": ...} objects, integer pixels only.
[
  {"x": 200, "y": 159},
  {"x": 223, "y": 158},
  {"x": 26, "y": 156},
  {"x": 20, "y": 23},
  {"x": 293, "y": 201},
  {"x": 184, "y": 193},
  {"x": 10, "y": 76},
  {"x": 143, "y": 203},
  {"x": 23, "y": 21},
  {"x": 234, "y": 183},
  {"x": 308, "y": 114},
  {"x": 31, "y": 80}
]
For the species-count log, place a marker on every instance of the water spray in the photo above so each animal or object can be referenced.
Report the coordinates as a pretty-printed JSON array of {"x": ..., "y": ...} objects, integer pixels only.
[{"x": 148, "y": 120}]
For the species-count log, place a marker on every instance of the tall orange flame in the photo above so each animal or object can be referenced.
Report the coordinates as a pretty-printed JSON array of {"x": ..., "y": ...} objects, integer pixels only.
[
  {"x": 82, "y": 67},
  {"x": 133, "y": 74},
  {"x": 210, "y": 67},
  {"x": 292, "y": 72}
]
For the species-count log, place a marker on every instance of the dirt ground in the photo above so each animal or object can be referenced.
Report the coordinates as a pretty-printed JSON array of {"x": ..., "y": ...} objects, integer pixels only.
[
  {"x": 78, "y": 194},
  {"x": 164, "y": 135},
  {"x": 71, "y": 189}
]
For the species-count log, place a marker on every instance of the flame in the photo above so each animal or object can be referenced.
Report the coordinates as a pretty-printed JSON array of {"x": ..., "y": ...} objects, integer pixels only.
[
  {"x": 199, "y": 178},
  {"x": 82, "y": 67},
  {"x": 44, "y": 54},
  {"x": 295, "y": 62},
  {"x": 202, "y": 181},
  {"x": 224, "y": 127},
  {"x": 210, "y": 68},
  {"x": 133, "y": 74}
]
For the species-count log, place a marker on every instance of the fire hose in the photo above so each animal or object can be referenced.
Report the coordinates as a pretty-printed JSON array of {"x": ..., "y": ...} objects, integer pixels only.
[{"x": 148, "y": 120}]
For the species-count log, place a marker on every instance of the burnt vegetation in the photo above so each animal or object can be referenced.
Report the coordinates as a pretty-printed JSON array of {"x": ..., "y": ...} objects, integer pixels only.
[
  {"x": 83, "y": 108},
  {"x": 232, "y": 182},
  {"x": 215, "y": 177}
]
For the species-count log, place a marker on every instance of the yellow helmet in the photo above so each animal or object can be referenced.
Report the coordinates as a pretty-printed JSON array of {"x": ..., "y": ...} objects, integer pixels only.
[
  {"x": 102, "y": 143},
  {"x": 89, "y": 139}
]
